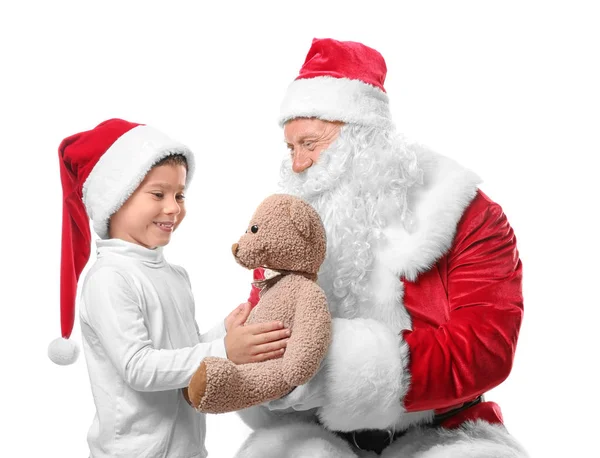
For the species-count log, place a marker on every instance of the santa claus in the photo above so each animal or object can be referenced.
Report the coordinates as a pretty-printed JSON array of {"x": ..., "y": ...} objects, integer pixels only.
[{"x": 422, "y": 275}]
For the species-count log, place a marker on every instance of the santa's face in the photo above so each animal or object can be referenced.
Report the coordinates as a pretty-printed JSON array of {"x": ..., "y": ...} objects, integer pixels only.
[
  {"x": 154, "y": 210},
  {"x": 306, "y": 138}
]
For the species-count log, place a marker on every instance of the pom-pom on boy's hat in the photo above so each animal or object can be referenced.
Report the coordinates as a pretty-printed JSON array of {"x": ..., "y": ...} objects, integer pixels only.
[
  {"x": 99, "y": 170},
  {"x": 339, "y": 81}
]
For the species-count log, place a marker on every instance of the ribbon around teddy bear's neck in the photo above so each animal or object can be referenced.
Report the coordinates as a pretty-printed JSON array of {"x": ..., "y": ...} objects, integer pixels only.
[{"x": 272, "y": 276}]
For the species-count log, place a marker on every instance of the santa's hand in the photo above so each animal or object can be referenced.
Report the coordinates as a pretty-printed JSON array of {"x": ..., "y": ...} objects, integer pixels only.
[{"x": 304, "y": 397}]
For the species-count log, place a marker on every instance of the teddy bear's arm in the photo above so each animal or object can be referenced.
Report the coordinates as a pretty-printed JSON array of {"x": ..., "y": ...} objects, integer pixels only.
[{"x": 311, "y": 335}]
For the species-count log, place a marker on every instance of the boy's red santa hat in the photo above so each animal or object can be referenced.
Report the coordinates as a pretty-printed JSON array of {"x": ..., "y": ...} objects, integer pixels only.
[
  {"x": 99, "y": 170},
  {"x": 339, "y": 81}
]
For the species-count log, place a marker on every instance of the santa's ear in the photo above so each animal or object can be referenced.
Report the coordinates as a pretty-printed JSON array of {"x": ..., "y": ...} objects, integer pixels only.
[{"x": 300, "y": 218}]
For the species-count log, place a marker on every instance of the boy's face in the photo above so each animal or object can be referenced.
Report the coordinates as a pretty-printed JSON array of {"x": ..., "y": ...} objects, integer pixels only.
[{"x": 154, "y": 210}]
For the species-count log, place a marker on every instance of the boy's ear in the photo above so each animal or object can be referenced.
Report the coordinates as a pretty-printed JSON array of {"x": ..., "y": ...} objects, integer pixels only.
[{"x": 300, "y": 218}]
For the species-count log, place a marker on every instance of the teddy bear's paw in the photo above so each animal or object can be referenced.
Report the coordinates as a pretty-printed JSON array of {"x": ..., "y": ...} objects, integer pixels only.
[
  {"x": 197, "y": 387},
  {"x": 214, "y": 384}
]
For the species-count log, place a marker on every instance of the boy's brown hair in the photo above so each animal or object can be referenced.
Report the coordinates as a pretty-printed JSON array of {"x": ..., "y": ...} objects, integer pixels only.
[{"x": 173, "y": 159}]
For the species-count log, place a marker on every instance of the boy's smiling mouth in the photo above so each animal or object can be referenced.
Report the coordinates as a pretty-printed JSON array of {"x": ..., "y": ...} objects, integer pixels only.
[{"x": 166, "y": 226}]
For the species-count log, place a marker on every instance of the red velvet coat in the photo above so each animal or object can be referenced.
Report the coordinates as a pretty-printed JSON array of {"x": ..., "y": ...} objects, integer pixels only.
[{"x": 466, "y": 311}]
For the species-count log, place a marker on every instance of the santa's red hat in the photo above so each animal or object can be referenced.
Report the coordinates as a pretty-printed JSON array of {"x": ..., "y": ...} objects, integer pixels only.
[
  {"x": 339, "y": 81},
  {"x": 99, "y": 170}
]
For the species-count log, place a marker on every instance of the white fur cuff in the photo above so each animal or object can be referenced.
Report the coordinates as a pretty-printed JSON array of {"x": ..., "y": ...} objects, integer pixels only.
[{"x": 366, "y": 376}]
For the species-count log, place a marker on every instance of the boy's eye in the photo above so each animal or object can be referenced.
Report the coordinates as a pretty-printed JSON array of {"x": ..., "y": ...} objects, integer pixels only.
[
  {"x": 180, "y": 197},
  {"x": 158, "y": 194}
]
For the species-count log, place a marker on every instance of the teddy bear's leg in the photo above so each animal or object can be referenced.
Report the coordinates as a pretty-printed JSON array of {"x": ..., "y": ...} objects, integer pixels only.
[
  {"x": 310, "y": 339},
  {"x": 194, "y": 392},
  {"x": 297, "y": 440},
  {"x": 221, "y": 386},
  {"x": 477, "y": 439},
  {"x": 204, "y": 387},
  {"x": 260, "y": 382}
]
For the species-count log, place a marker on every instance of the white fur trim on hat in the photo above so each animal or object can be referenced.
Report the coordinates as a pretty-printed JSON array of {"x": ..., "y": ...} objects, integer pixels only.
[
  {"x": 336, "y": 99},
  {"x": 121, "y": 169}
]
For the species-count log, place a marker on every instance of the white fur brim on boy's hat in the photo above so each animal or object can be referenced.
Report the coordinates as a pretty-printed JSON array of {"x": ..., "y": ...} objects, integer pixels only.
[
  {"x": 100, "y": 169},
  {"x": 339, "y": 81}
]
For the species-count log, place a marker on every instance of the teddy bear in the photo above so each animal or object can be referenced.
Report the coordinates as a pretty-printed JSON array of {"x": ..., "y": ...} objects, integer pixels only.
[{"x": 287, "y": 238}]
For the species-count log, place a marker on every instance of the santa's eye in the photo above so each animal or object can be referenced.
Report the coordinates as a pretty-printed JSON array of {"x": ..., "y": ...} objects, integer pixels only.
[{"x": 254, "y": 229}]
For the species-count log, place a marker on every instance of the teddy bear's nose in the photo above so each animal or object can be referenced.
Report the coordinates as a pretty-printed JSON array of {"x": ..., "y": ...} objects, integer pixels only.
[{"x": 234, "y": 248}]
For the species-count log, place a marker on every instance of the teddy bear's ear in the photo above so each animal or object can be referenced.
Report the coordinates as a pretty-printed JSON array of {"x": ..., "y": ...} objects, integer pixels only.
[{"x": 300, "y": 218}]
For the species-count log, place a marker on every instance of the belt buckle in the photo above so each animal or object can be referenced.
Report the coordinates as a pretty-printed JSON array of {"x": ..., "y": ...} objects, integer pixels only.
[{"x": 390, "y": 439}]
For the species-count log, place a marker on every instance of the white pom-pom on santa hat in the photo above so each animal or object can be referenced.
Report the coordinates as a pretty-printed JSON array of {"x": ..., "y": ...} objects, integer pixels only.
[{"x": 63, "y": 351}]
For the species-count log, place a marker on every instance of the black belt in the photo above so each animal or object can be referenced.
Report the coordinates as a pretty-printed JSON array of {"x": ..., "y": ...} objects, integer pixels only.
[
  {"x": 376, "y": 440},
  {"x": 372, "y": 440},
  {"x": 440, "y": 418}
]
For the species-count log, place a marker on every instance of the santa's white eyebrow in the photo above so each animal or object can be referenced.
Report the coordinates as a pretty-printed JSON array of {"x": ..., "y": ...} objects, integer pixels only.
[{"x": 303, "y": 138}]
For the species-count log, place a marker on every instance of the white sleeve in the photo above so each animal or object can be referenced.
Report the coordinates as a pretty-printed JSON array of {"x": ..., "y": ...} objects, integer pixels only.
[
  {"x": 113, "y": 312},
  {"x": 217, "y": 332}
]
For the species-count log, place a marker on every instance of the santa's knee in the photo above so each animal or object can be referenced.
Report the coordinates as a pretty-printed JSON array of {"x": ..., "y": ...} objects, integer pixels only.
[{"x": 300, "y": 440}]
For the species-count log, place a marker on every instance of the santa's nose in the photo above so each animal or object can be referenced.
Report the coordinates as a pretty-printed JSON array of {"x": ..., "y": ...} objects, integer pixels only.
[
  {"x": 234, "y": 248},
  {"x": 301, "y": 163}
]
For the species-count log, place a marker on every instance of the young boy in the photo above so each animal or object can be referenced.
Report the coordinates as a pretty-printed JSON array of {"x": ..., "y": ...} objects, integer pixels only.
[{"x": 140, "y": 337}]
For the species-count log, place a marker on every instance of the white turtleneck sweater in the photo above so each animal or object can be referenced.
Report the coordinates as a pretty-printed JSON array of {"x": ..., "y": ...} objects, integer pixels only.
[{"x": 142, "y": 345}]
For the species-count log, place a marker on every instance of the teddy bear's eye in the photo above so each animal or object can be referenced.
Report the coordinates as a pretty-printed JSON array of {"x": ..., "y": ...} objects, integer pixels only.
[{"x": 254, "y": 229}]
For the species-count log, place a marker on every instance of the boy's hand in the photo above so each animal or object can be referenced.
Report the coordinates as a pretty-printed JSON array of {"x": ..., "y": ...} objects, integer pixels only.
[
  {"x": 240, "y": 313},
  {"x": 255, "y": 342}
]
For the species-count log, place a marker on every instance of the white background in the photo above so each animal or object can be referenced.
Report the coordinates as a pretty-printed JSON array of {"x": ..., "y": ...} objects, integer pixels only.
[{"x": 510, "y": 89}]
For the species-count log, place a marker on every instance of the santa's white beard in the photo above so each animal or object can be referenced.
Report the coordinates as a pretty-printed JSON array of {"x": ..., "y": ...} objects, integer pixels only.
[{"x": 358, "y": 185}]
